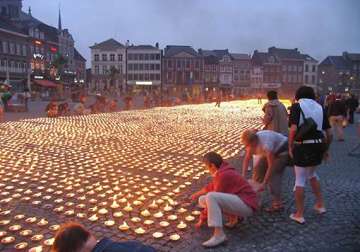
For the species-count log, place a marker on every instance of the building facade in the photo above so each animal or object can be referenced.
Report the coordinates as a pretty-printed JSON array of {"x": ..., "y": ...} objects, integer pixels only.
[
  {"x": 14, "y": 53},
  {"x": 211, "y": 69},
  {"x": 144, "y": 66},
  {"x": 340, "y": 73},
  {"x": 270, "y": 67},
  {"x": 310, "y": 72},
  {"x": 182, "y": 70},
  {"x": 256, "y": 77},
  {"x": 241, "y": 72},
  {"x": 292, "y": 68},
  {"x": 108, "y": 57}
]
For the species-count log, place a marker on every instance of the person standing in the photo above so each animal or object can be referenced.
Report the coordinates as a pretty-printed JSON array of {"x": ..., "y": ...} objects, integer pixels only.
[
  {"x": 308, "y": 148},
  {"x": 276, "y": 116},
  {"x": 218, "y": 99},
  {"x": 271, "y": 149},
  {"x": 27, "y": 96},
  {"x": 227, "y": 193},
  {"x": 352, "y": 104},
  {"x": 337, "y": 115}
]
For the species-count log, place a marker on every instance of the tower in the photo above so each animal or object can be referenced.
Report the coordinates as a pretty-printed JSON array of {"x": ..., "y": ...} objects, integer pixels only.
[
  {"x": 59, "y": 21},
  {"x": 10, "y": 8}
]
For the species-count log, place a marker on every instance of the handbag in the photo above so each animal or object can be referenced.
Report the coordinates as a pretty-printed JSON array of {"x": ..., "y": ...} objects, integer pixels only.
[{"x": 306, "y": 128}]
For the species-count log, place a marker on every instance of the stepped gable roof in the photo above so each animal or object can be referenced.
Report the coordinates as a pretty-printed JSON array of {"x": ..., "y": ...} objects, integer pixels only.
[{"x": 110, "y": 44}]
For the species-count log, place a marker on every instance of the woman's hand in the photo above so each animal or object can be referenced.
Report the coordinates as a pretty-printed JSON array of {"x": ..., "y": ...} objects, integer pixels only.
[
  {"x": 199, "y": 223},
  {"x": 195, "y": 196}
]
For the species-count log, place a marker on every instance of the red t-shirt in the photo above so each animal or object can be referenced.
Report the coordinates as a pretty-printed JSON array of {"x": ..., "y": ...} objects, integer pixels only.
[{"x": 228, "y": 180}]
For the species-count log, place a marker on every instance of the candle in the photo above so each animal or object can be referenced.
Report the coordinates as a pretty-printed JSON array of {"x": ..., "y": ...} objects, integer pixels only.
[
  {"x": 109, "y": 223},
  {"x": 8, "y": 240},
  {"x": 148, "y": 222},
  {"x": 124, "y": 226},
  {"x": 118, "y": 214},
  {"x": 36, "y": 249},
  {"x": 140, "y": 231},
  {"x": 93, "y": 218},
  {"x": 172, "y": 217},
  {"x": 135, "y": 219},
  {"x": 174, "y": 237},
  {"x": 158, "y": 235},
  {"x": 181, "y": 225},
  {"x": 21, "y": 245},
  {"x": 103, "y": 211},
  {"x": 15, "y": 227},
  {"x": 153, "y": 205},
  {"x": 189, "y": 218},
  {"x": 49, "y": 242},
  {"x": 158, "y": 214},
  {"x": 26, "y": 232},
  {"x": 128, "y": 208},
  {"x": 37, "y": 237},
  {"x": 167, "y": 208},
  {"x": 164, "y": 223}
]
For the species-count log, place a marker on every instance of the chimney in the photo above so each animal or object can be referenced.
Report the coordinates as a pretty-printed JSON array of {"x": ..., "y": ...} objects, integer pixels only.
[
  {"x": 157, "y": 45},
  {"x": 200, "y": 51}
]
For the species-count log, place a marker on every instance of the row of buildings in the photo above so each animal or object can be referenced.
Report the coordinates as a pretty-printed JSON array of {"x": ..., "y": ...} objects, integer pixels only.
[
  {"x": 35, "y": 54},
  {"x": 179, "y": 68}
]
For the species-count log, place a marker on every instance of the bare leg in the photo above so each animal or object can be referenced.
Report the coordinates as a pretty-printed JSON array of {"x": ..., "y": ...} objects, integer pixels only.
[{"x": 315, "y": 185}]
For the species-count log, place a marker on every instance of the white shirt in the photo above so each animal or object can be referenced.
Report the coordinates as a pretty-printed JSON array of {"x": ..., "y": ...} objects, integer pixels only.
[
  {"x": 269, "y": 141},
  {"x": 312, "y": 109}
]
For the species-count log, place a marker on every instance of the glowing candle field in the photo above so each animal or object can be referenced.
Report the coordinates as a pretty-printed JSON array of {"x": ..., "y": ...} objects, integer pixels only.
[{"x": 126, "y": 174}]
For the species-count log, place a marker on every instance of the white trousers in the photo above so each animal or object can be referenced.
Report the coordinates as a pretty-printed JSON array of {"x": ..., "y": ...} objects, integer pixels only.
[{"x": 217, "y": 203}]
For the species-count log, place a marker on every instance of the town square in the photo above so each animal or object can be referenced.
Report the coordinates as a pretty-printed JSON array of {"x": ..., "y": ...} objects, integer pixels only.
[{"x": 187, "y": 125}]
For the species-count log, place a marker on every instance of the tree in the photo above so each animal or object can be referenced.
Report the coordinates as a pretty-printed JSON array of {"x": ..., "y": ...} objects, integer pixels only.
[{"x": 59, "y": 62}]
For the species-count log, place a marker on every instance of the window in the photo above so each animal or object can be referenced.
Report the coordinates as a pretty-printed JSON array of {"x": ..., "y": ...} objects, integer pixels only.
[
  {"x": 104, "y": 57},
  {"x": 178, "y": 63},
  {"x": 130, "y": 77},
  {"x": 97, "y": 69},
  {"x": 96, "y": 57},
  {"x": 141, "y": 66},
  {"x": 136, "y": 77},
  {"x": 306, "y": 78},
  {"x": 112, "y": 57},
  {"x": 12, "y": 48},
  {"x": 24, "y": 53},
  {"x": 141, "y": 77},
  {"x": 313, "y": 80},
  {"x": 157, "y": 66},
  {"x": 157, "y": 76},
  {"x": 146, "y": 66},
  {"x": 135, "y": 56},
  {"x": 130, "y": 66},
  {"x": 169, "y": 76},
  {"x": 5, "y": 47},
  {"x": 300, "y": 68},
  {"x": 152, "y": 56},
  {"x": 152, "y": 76},
  {"x": 306, "y": 68},
  {"x": 314, "y": 68},
  {"x": 146, "y": 56},
  {"x": 104, "y": 69},
  {"x": 157, "y": 56},
  {"x": 152, "y": 66},
  {"x": 141, "y": 56},
  {"x": 130, "y": 56},
  {"x": 188, "y": 64},
  {"x": 169, "y": 62},
  {"x": 284, "y": 68},
  {"x": 146, "y": 76}
]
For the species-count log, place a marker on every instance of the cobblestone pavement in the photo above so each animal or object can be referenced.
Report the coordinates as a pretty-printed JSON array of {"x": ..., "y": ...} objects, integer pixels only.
[
  {"x": 337, "y": 230},
  {"x": 79, "y": 162}
]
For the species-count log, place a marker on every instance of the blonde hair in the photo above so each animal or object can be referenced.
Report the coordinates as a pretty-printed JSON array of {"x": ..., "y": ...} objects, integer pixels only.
[{"x": 248, "y": 136}]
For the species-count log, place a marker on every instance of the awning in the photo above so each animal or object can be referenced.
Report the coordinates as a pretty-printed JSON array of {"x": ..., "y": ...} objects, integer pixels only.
[{"x": 46, "y": 83}]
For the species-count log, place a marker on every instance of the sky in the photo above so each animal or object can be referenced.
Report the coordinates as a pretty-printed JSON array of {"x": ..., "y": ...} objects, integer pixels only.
[{"x": 316, "y": 27}]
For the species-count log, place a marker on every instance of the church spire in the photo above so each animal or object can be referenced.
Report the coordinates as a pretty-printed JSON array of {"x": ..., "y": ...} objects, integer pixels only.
[
  {"x": 59, "y": 22},
  {"x": 29, "y": 12}
]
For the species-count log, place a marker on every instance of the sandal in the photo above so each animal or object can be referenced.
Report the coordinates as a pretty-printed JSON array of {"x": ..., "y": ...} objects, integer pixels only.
[
  {"x": 234, "y": 224},
  {"x": 275, "y": 208},
  {"x": 299, "y": 220},
  {"x": 320, "y": 210}
]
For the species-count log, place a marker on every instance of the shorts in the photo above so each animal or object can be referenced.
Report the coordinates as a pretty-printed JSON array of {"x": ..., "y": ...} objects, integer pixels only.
[{"x": 307, "y": 155}]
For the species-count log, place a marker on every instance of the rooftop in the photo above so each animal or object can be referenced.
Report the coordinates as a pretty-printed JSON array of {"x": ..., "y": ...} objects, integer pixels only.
[
  {"x": 78, "y": 56},
  {"x": 172, "y": 50},
  {"x": 110, "y": 44}
]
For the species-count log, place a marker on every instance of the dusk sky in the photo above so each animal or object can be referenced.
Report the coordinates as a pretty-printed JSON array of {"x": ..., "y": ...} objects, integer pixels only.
[{"x": 316, "y": 27}]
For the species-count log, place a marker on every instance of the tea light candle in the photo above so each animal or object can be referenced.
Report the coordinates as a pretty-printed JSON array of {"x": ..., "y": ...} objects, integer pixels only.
[
  {"x": 36, "y": 249},
  {"x": 195, "y": 212},
  {"x": 140, "y": 231},
  {"x": 124, "y": 226},
  {"x": 145, "y": 213},
  {"x": 21, "y": 245},
  {"x": 118, "y": 214},
  {"x": 26, "y": 232},
  {"x": 128, "y": 208},
  {"x": 158, "y": 215},
  {"x": 15, "y": 227},
  {"x": 174, "y": 237},
  {"x": 54, "y": 227},
  {"x": 181, "y": 225},
  {"x": 8, "y": 240},
  {"x": 93, "y": 218},
  {"x": 109, "y": 223},
  {"x": 148, "y": 222},
  {"x": 181, "y": 210},
  {"x": 164, "y": 223},
  {"x": 103, "y": 211},
  {"x": 42, "y": 223},
  {"x": 3, "y": 233},
  {"x": 167, "y": 208},
  {"x": 49, "y": 242},
  {"x": 172, "y": 217},
  {"x": 153, "y": 205},
  {"x": 135, "y": 219},
  {"x": 37, "y": 237},
  {"x": 189, "y": 218},
  {"x": 158, "y": 235}
]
